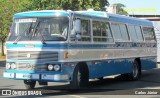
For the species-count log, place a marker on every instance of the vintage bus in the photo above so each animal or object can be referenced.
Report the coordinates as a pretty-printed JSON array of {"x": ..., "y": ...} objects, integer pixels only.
[{"x": 75, "y": 46}]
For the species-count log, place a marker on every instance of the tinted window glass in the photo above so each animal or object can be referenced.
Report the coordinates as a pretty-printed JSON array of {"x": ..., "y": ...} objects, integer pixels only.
[
  {"x": 85, "y": 30},
  {"x": 101, "y": 32},
  {"x": 148, "y": 33},
  {"x": 124, "y": 32},
  {"x": 132, "y": 33},
  {"x": 139, "y": 33},
  {"x": 116, "y": 31}
]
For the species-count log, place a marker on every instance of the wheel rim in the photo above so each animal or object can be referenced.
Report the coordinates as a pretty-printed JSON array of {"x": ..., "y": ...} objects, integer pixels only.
[
  {"x": 135, "y": 70},
  {"x": 78, "y": 77}
]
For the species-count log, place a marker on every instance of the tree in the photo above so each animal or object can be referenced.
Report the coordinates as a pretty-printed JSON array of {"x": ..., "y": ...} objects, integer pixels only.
[
  {"x": 67, "y": 4},
  {"x": 120, "y": 10},
  {"x": 7, "y": 9}
]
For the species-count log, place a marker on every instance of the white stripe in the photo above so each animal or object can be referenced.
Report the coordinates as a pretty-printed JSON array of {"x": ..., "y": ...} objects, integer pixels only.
[
  {"x": 8, "y": 75},
  {"x": 33, "y": 76},
  {"x": 54, "y": 77},
  {"x": 76, "y": 96}
]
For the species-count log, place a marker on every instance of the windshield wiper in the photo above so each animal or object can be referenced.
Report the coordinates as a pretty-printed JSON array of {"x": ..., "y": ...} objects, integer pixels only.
[
  {"x": 19, "y": 37},
  {"x": 36, "y": 29},
  {"x": 43, "y": 41}
]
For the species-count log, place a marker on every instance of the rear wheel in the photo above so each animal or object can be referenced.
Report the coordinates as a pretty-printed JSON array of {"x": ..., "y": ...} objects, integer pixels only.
[
  {"x": 135, "y": 74},
  {"x": 80, "y": 77},
  {"x": 29, "y": 84}
]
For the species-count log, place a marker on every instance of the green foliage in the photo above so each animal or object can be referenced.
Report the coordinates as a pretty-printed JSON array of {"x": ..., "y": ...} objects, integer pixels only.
[
  {"x": 67, "y": 4},
  {"x": 7, "y": 10}
]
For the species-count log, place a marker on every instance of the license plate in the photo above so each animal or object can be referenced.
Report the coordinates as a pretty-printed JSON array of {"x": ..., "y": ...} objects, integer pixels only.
[{"x": 27, "y": 76}]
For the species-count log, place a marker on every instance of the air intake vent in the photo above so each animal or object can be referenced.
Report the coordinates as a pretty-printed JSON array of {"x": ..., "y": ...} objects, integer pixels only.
[{"x": 32, "y": 55}]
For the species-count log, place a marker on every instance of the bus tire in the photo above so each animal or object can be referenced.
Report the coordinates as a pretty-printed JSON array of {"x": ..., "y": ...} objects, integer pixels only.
[
  {"x": 80, "y": 77},
  {"x": 29, "y": 84},
  {"x": 136, "y": 72}
]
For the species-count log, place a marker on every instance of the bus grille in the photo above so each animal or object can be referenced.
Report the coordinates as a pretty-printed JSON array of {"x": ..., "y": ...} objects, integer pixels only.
[{"x": 32, "y": 55}]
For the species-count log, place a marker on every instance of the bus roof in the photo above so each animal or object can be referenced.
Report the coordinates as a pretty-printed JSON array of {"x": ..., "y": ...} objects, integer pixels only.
[
  {"x": 42, "y": 13},
  {"x": 117, "y": 18},
  {"x": 90, "y": 14}
]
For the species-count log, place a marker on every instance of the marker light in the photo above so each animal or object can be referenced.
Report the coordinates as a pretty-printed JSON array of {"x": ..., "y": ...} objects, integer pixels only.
[{"x": 65, "y": 55}]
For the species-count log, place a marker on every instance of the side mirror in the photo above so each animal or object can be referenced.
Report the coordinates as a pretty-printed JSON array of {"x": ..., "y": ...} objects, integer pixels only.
[{"x": 78, "y": 28}]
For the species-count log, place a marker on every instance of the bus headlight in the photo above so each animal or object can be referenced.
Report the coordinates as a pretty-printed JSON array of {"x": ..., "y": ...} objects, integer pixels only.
[
  {"x": 50, "y": 67},
  {"x": 8, "y": 66},
  {"x": 13, "y": 66},
  {"x": 57, "y": 67}
]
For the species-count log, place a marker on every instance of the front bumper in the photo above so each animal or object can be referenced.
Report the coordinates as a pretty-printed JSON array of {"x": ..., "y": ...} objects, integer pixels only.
[{"x": 37, "y": 76}]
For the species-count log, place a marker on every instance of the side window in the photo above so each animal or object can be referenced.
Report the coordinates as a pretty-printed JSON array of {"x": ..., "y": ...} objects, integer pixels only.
[
  {"x": 116, "y": 31},
  {"x": 124, "y": 32},
  {"x": 101, "y": 32},
  {"x": 132, "y": 32},
  {"x": 148, "y": 33},
  {"x": 139, "y": 33},
  {"x": 85, "y": 30}
]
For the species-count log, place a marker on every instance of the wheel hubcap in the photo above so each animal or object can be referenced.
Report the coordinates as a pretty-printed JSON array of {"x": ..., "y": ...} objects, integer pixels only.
[
  {"x": 135, "y": 70},
  {"x": 78, "y": 77}
]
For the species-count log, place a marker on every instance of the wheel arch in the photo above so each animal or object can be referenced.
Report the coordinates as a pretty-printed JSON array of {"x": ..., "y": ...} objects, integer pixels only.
[
  {"x": 139, "y": 62},
  {"x": 84, "y": 77},
  {"x": 83, "y": 66}
]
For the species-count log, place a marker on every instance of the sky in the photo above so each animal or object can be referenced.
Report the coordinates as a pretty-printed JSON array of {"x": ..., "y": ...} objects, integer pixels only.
[{"x": 140, "y": 7}]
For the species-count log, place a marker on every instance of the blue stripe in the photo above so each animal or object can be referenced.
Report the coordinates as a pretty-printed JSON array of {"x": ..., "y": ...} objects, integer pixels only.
[
  {"x": 41, "y": 46},
  {"x": 57, "y": 46},
  {"x": 132, "y": 21},
  {"x": 15, "y": 46},
  {"x": 90, "y": 16},
  {"x": 40, "y": 14},
  {"x": 35, "y": 72},
  {"x": 95, "y": 13},
  {"x": 25, "y": 61},
  {"x": 84, "y": 46}
]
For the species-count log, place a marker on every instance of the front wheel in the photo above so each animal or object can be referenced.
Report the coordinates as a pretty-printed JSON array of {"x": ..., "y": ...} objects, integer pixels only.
[
  {"x": 135, "y": 74},
  {"x": 29, "y": 84},
  {"x": 80, "y": 77}
]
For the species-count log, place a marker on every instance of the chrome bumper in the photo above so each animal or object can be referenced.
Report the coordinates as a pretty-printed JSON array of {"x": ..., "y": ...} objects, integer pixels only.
[{"x": 35, "y": 76}]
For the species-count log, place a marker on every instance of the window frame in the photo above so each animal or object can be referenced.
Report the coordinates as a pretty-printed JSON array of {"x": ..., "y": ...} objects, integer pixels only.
[
  {"x": 126, "y": 31},
  {"x": 121, "y": 40},
  {"x": 150, "y": 41},
  {"x": 141, "y": 33},
  {"x": 72, "y": 28},
  {"x": 102, "y": 42},
  {"x": 89, "y": 27}
]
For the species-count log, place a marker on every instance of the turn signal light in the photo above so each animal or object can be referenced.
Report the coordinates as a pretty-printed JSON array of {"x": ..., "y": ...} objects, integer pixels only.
[{"x": 65, "y": 55}]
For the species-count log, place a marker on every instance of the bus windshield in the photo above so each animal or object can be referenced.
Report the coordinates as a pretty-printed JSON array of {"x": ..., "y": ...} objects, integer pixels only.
[{"x": 39, "y": 29}]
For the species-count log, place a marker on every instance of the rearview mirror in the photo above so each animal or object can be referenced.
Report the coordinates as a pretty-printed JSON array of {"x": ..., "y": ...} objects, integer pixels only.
[{"x": 78, "y": 28}]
